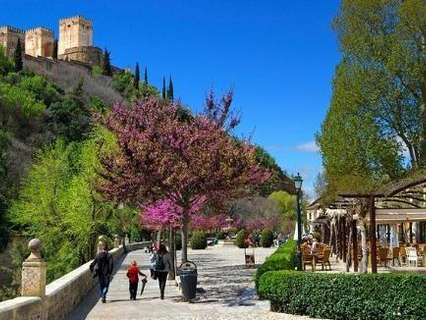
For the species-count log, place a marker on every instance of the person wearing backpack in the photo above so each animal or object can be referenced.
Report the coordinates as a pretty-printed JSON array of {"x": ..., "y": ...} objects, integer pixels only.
[
  {"x": 163, "y": 265},
  {"x": 133, "y": 273},
  {"x": 102, "y": 267}
]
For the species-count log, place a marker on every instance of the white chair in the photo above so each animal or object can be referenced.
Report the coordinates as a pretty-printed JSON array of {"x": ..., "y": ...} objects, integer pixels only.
[{"x": 412, "y": 257}]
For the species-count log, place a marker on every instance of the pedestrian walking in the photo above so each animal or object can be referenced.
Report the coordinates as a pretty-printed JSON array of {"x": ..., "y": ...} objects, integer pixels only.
[
  {"x": 152, "y": 263},
  {"x": 133, "y": 273},
  {"x": 102, "y": 267},
  {"x": 163, "y": 266}
]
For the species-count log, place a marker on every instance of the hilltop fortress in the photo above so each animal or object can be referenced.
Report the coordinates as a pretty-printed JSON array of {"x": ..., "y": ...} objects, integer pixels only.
[{"x": 75, "y": 41}]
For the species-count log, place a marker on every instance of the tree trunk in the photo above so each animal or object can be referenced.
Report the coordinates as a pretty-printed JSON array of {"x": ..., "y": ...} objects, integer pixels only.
[
  {"x": 172, "y": 251},
  {"x": 349, "y": 244},
  {"x": 184, "y": 230},
  {"x": 364, "y": 261},
  {"x": 158, "y": 237}
]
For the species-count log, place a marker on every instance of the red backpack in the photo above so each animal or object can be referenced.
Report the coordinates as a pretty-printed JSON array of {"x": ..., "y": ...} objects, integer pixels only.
[{"x": 133, "y": 274}]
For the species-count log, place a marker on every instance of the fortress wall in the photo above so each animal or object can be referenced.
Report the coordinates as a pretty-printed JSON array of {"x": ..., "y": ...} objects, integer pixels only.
[
  {"x": 9, "y": 39},
  {"x": 67, "y": 75}
]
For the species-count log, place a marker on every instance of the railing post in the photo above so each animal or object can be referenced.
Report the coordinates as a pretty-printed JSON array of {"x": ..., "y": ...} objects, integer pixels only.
[
  {"x": 116, "y": 241},
  {"x": 33, "y": 281}
]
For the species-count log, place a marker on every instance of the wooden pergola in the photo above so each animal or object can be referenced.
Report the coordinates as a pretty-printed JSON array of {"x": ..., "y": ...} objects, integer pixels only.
[{"x": 398, "y": 201}]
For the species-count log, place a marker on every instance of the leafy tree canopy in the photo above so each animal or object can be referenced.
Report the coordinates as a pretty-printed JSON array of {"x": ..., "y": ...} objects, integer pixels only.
[{"x": 60, "y": 205}]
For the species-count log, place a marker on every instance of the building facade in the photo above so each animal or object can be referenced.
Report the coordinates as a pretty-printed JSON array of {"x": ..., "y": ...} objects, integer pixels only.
[
  {"x": 9, "y": 39},
  {"x": 39, "y": 42},
  {"x": 75, "y": 41},
  {"x": 74, "y": 32}
]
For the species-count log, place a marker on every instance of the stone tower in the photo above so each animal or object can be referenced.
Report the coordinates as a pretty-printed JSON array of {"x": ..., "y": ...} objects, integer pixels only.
[
  {"x": 39, "y": 42},
  {"x": 9, "y": 39},
  {"x": 74, "y": 32}
]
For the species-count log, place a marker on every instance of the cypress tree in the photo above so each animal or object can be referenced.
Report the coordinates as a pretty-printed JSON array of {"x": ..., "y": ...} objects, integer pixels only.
[
  {"x": 145, "y": 76},
  {"x": 55, "y": 50},
  {"x": 137, "y": 76},
  {"x": 163, "y": 90},
  {"x": 17, "y": 57},
  {"x": 106, "y": 67},
  {"x": 170, "y": 94}
]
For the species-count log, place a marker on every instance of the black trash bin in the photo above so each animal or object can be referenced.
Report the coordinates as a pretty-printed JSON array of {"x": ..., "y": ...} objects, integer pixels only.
[{"x": 188, "y": 279}]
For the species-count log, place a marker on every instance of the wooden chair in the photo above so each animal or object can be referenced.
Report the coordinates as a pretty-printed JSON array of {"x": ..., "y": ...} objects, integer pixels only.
[
  {"x": 324, "y": 259},
  {"x": 383, "y": 255},
  {"x": 402, "y": 254},
  {"x": 307, "y": 258},
  {"x": 395, "y": 256}
]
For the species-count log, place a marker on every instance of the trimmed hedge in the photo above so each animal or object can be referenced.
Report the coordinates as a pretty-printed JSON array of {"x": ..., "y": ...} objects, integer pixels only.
[
  {"x": 385, "y": 296},
  {"x": 240, "y": 240},
  {"x": 198, "y": 240},
  {"x": 266, "y": 238},
  {"x": 284, "y": 258}
]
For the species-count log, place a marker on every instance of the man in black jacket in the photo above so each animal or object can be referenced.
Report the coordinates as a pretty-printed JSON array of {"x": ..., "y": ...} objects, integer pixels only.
[{"x": 103, "y": 267}]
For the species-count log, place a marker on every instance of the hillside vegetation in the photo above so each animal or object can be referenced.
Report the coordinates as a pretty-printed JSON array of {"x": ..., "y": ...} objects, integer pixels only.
[{"x": 50, "y": 146}]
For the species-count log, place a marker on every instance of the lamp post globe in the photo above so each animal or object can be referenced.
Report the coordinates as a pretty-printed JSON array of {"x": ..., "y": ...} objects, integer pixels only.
[{"x": 298, "y": 181}]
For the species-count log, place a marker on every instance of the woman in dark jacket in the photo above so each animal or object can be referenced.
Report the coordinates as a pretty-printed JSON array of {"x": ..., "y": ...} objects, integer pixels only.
[
  {"x": 163, "y": 266},
  {"x": 102, "y": 266}
]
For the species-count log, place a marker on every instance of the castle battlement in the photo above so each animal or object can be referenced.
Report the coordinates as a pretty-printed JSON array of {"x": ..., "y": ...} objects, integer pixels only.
[
  {"x": 11, "y": 29},
  {"x": 77, "y": 18},
  {"x": 39, "y": 29}
]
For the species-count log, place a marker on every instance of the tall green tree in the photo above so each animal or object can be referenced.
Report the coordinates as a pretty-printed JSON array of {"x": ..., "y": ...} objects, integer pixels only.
[
  {"x": 356, "y": 153},
  {"x": 170, "y": 94},
  {"x": 55, "y": 50},
  {"x": 106, "y": 63},
  {"x": 163, "y": 89},
  {"x": 137, "y": 76},
  {"x": 145, "y": 76},
  {"x": 17, "y": 57},
  {"x": 6, "y": 64},
  {"x": 286, "y": 203},
  {"x": 384, "y": 41}
]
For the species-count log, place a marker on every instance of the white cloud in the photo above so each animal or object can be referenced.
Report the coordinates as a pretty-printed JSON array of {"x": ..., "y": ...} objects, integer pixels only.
[{"x": 308, "y": 147}]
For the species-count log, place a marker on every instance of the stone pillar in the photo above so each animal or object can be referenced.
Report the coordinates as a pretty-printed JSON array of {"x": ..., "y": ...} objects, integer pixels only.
[
  {"x": 34, "y": 272},
  {"x": 116, "y": 241}
]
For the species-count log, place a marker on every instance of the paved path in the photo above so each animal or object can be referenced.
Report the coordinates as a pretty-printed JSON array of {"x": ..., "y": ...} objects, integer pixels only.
[{"x": 226, "y": 291}]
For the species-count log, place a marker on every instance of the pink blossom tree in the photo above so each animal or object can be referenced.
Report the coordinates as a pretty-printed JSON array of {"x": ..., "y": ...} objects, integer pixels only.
[{"x": 169, "y": 154}]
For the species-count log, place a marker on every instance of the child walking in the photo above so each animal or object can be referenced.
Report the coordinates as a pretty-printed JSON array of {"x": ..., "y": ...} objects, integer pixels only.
[{"x": 133, "y": 273}]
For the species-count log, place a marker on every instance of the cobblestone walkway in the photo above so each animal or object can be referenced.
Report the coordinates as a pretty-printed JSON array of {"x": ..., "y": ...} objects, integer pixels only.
[{"x": 225, "y": 292}]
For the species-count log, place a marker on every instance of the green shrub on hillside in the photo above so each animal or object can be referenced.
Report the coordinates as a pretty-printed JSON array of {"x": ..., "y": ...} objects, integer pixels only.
[
  {"x": 59, "y": 203},
  {"x": 284, "y": 258},
  {"x": 240, "y": 240},
  {"x": 198, "y": 240},
  {"x": 383, "y": 296},
  {"x": 266, "y": 238}
]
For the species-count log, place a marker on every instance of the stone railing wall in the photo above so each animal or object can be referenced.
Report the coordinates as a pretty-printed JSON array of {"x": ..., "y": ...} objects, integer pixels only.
[{"x": 62, "y": 295}]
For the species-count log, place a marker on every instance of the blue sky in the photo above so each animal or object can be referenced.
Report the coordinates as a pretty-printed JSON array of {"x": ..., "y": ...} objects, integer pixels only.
[{"x": 278, "y": 56}]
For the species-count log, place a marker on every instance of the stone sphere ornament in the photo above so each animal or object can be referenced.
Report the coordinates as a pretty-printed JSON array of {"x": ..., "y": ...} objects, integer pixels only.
[{"x": 35, "y": 247}]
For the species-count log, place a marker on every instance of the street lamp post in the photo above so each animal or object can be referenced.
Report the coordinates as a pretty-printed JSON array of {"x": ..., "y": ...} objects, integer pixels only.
[{"x": 298, "y": 184}]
